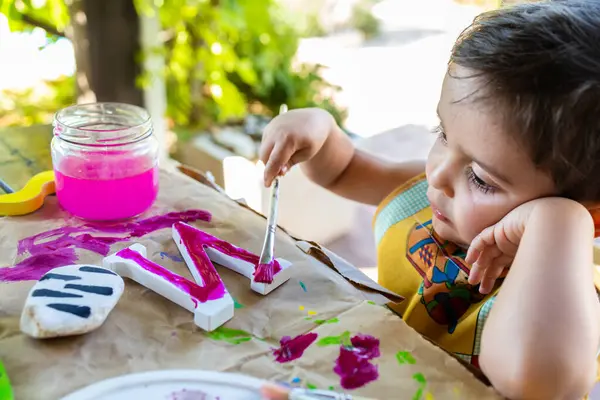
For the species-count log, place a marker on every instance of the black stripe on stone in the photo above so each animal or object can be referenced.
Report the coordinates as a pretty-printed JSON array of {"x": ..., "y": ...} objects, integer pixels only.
[
  {"x": 80, "y": 311},
  {"x": 96, "y": 270},
  {"x": 53, "y": 293},
  {"x": 102, "y": 290},
  {"x": 60, "y": 277}
]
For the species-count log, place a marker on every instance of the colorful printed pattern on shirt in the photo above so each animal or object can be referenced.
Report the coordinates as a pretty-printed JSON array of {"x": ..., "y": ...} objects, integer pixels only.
[
  {"x": 445, "y": 291},
  {"x": 430, "y": 273}
]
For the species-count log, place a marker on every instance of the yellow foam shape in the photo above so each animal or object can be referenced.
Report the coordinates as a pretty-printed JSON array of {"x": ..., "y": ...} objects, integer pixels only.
[{"x": 31, "y": 197}]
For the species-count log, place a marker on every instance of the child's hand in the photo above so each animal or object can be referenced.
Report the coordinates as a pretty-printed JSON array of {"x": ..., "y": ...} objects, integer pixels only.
[
  {"x": 494, "y": 249},
  {"x": 293, "y": 137}
]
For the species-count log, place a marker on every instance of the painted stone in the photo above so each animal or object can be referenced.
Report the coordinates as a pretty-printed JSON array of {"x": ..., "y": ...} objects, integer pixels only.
[{"x": 70, "y": 300}]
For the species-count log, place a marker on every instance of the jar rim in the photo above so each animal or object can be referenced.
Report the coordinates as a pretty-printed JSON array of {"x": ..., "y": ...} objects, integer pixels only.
[{"x": 87, "y": 131}]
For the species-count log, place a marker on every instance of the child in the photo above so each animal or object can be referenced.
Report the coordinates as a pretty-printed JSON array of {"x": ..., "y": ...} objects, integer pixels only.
[{"x": 490, "y": 241}]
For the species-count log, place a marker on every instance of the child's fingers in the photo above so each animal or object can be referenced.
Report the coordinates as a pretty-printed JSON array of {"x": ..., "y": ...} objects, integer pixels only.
[
  {"x": 278, "y": 158},
  {"x": 491, "y": 274}
]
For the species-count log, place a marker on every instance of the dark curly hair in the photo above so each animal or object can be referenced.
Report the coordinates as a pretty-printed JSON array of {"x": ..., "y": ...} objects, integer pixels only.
[{"x": 539, "y": 63}]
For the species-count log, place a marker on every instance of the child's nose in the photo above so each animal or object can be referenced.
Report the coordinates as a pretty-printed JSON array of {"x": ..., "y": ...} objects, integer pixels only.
[{"x": 440, "y": 177}]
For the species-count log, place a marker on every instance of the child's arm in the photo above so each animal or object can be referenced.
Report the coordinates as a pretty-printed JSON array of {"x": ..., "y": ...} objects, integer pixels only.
[
  {"x": 543, "y": 332},
  {"x": 329, "y": 158}
]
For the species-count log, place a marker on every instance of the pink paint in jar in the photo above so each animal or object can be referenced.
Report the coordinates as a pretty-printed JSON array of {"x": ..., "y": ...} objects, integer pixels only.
[{"x": 105, "y": 159}]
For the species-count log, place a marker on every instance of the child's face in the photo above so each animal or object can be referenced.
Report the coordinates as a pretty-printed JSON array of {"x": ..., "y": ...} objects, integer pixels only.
[{"x": 476, "y": 173}]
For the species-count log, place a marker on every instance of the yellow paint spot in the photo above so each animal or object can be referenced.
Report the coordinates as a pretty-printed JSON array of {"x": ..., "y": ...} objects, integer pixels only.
[
  {"x": 456, "y": 392},
  {"x": 301, "y": 308},
  {"x": 429, "y": 396},
  {"x": 312, "y": 313}
]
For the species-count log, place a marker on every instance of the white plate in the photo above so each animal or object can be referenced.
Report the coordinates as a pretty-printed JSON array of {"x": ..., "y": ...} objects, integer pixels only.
[{"x": 173, "y": 385}]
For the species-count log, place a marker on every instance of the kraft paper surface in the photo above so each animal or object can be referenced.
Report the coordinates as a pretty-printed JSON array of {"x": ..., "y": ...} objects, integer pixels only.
[{"x": 147, "y": 332}]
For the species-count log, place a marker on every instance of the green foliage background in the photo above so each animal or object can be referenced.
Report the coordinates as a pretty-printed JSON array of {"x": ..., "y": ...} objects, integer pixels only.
[{"x": 224, "y": 58}]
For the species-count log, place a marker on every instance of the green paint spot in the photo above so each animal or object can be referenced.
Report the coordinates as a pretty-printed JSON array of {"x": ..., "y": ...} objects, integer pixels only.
[
  {"x": 329, "y": 321},
  {"x": 372, "y": 303},
  {"x": 237, "y": 305},
  {"x": 6, "y": 392},
  {"x": 420, "y": 378},
  {"x": 331, "y": 388},
  {"x": 232, "y": 336},
  {"x": 308, "y": 318},
  {"x": 303, "y": 286},
  {"x": 311, "y": 386},
  {"x": 404, "y": 357},
  {"x": 343, "y": 339}
]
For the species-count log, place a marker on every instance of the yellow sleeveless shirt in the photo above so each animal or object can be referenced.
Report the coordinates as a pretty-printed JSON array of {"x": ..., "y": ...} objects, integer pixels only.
[{"x": 429, "y": 273}]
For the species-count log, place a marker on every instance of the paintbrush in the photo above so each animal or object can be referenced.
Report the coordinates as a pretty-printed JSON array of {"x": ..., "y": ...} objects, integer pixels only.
[
  {"x": 264, "y": 269},
  {"x": 274, "y": 392}
]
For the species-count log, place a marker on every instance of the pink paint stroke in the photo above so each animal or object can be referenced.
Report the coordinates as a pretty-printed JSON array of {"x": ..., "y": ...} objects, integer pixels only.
[
  {"x": 292, "y": 349},
  {"x": 213, "y": 288},
  {"x": 196, "y": 240},
  {"x": 56, "y": 247},
  {"x": 354, "y": 362},
  {"x": 264, "y": 272}
]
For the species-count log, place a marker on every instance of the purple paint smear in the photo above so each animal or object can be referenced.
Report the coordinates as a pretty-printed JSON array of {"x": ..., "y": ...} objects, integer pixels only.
[
  {"x": 292, "y": 349},
  {"x": 213, "y": 285},
  {"x": 354, "y": 366},
  {"x": 195, "y": 240},
  {"x": 56, "y": 248},
  {"x": 185, "y": 394}
]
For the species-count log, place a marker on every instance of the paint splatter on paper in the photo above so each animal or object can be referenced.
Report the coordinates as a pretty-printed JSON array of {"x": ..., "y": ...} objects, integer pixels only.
[
  {"x": 354, "y": 362},
  {"x": 231, "y": 336},
  {"x": 343, "y": 339},
  {"x": 172, "y": 257},
  {"x": 303, "y": 286},
  {"x": 56, "y": 247},
  {"x": 292, "y": 349},
  {"x": 327, "y": 321},
  {"x": 405, "y": 357},
  {"x": 237, "y": 305},
  {"x": 422, "y": 382}
]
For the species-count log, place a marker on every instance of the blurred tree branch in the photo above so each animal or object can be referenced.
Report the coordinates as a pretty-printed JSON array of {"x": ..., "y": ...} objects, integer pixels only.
[{"x": 51, "y": 30}]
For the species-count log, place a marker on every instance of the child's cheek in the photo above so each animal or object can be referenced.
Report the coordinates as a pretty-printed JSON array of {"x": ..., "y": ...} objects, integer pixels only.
[{"x": 472, "y": 218}]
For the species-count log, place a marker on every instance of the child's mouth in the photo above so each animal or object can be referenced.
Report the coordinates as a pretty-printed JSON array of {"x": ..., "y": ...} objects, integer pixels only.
[{"x": 438, "y": 215}]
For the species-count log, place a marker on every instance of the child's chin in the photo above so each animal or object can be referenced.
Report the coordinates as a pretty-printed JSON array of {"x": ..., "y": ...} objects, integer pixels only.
[{"x": 446, "y": 232}]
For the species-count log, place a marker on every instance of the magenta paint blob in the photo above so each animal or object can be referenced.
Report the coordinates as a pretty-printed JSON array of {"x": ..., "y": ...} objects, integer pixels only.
[
  {"x": 292, "y": 349},
  {"x": 56, "y": 247},
  {"x": 213, "y": 286},
  {"x": 100, "y": 191},
  {"x": 196, "y": 240},
  {"x": 264, "y": 272},
  {"x": 354, "y": 362}
]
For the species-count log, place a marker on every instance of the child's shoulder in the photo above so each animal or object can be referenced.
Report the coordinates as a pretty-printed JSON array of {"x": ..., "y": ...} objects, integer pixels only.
[{"x": 408, "y": 199}]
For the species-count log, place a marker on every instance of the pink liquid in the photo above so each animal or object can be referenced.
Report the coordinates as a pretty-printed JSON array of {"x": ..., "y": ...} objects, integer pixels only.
[{"x": 100, "y": 190}]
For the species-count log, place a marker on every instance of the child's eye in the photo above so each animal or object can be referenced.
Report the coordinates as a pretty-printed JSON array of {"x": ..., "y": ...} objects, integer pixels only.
[
  {"x": 477, "y": 182},
  {"x": 441, "y": 134}
]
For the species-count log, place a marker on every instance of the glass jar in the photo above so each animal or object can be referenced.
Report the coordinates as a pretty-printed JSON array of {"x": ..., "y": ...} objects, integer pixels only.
[{"x": 105, "y": 160}]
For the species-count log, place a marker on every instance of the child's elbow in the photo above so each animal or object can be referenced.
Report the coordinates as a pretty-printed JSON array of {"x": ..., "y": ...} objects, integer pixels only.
[{"x": 568, "y": 380}]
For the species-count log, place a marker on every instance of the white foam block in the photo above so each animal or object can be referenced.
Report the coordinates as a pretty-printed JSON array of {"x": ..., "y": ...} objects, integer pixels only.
[
  {"x": 199, "y": 248},
  {"x": 212, "y": 305},
  {"x": 70, "y": 300}
]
